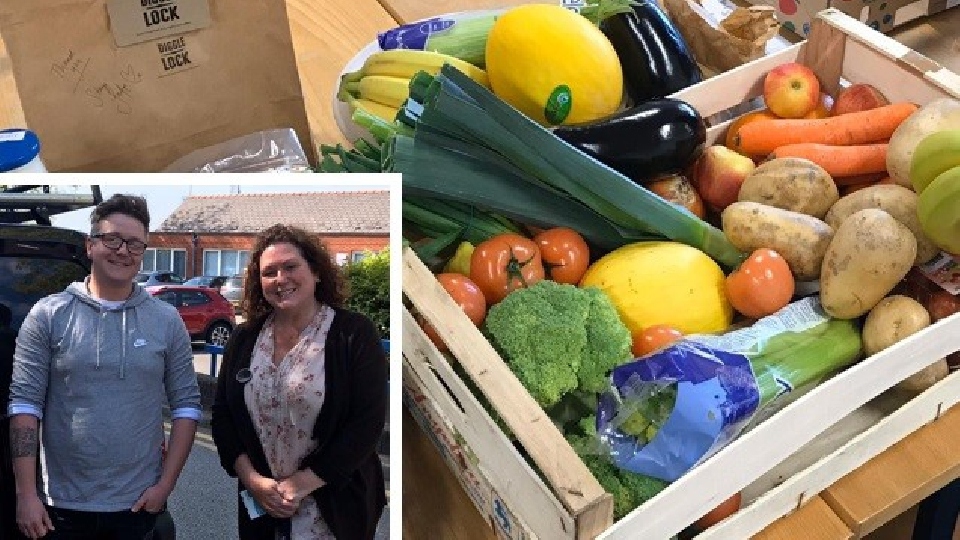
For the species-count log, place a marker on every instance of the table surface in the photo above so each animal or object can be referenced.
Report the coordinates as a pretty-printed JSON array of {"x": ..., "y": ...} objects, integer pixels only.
[{"x": 326, "y": 36}]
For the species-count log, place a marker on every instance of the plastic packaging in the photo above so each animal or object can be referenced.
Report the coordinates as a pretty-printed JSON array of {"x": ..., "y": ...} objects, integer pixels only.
[
  {"x": 20, "y": 152},
  {"x": 461, "y": 35},
  {"x": 275, "y": 150},
  {"x": 672, "y": 409}
]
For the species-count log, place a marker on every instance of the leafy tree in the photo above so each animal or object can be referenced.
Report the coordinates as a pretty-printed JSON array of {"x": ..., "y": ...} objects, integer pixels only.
[{"x": 369, "y": 288}]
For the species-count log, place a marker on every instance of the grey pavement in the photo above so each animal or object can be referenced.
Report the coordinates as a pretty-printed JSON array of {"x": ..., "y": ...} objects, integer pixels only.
[{"x": 204, "y": 503}]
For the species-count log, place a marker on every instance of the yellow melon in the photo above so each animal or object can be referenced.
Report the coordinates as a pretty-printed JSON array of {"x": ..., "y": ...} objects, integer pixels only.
[
  {"x": 663, "y": 283},
  {"x": 553, "y": 65}
]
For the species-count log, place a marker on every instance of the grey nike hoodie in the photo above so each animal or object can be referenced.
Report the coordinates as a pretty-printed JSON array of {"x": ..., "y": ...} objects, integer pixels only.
[{"x": 100, "y": 376}]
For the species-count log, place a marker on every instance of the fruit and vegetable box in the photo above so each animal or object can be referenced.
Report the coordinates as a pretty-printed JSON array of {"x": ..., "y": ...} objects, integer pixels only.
[{"x": 703, "y": 377}]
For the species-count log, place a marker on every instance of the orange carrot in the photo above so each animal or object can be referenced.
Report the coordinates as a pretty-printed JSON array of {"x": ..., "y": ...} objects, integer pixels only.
[
  {"x": 840, "y": 160},
  {"x": 863, "y": 127}
]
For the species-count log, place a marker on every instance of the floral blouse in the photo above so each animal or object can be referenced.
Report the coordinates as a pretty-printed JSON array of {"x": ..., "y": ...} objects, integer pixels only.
[{"x": 284, "y": 400}]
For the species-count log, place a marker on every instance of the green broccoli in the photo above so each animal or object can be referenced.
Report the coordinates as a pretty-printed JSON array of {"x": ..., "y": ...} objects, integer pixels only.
[
  {"x": 629, "y": 490},
  {"x": 559, "y": 338}
]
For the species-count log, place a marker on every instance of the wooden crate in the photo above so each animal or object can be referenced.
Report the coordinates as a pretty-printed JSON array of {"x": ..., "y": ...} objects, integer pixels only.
[{"x": 779, "y": 465}]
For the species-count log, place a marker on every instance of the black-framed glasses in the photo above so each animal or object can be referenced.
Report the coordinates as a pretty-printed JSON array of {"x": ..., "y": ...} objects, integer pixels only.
[{"x": 114, "y": 241}]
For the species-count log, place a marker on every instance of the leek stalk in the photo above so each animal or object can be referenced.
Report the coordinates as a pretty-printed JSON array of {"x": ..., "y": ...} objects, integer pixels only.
[{"x": 486, "y": 119}]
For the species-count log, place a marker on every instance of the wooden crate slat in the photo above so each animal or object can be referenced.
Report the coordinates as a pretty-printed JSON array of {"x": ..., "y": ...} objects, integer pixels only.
[
  {"x": 505, "y": 469},
  {"x": 573, "y": 483},
  {"x": 800, "y": 487},
  {"x": 727, "y": 90},
  {"x": 784, "y": 443},
  {"x": 907, "y": 473},
  {"x": 912, "y": 65},
  {"x": 779, "y": 436},
  {"x": 460, "y": 459},
  {"x": 897, "y": 82},
  {"x": 823, "y": 52}
]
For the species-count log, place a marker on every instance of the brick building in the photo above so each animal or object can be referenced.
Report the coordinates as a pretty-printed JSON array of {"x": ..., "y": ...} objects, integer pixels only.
[{"x": 214, "y": 234}]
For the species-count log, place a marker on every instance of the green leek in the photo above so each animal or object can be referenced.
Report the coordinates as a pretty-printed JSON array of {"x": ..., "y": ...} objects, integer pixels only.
[{"x": 486, "y": 119}]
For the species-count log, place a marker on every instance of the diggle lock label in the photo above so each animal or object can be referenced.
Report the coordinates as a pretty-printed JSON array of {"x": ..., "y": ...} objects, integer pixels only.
[{"x": 146, "y": 20}]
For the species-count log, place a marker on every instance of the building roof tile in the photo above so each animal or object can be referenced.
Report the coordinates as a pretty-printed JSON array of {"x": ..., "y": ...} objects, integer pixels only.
[{"x": 344, "y": 212}]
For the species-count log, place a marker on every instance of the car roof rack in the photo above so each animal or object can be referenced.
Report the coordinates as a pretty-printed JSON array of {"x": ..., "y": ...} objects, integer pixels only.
[{"x": 20, "y": 204}]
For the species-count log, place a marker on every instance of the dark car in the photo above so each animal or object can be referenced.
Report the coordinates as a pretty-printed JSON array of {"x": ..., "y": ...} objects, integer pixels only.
[
  {"x": 147, "y": 279},
  {"x": 36, "y": 260},
  {"x": 211, "y": 282},
  {"x": 207, "y": 315}
]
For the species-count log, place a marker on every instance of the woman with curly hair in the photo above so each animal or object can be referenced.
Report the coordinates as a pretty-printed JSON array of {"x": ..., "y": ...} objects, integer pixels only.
[{"x": 300, "y": 402}]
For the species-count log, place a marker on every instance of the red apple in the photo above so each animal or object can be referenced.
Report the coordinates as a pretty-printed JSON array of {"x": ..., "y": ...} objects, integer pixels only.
[
  {"x": 858, "y": 97},
  {"x": 791, "y": 90},
  {"x": 718, "y": 175},
  {"x": 822, "y": 110}
]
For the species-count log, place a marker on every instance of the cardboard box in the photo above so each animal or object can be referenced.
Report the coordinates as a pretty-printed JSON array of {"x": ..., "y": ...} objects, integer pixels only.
[{"x": 881, "y": 15}]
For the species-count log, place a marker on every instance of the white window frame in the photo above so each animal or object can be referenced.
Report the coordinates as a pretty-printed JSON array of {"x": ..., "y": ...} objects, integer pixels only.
[
  {"x": 172, "y": 259},
  {"x": 219, "y": 251}
]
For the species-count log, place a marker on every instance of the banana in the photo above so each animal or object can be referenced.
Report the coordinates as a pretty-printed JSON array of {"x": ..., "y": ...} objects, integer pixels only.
[
  {"x": 934, "y": 154},
  {"x": 389, "y": 91},
  {"x": 405, "y": 62},
  {"x": 384, "y": 112},
  {"x": 939, "y": 210}
]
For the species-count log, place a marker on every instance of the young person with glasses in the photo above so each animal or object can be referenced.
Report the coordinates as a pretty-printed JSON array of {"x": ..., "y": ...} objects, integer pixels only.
[{"x": 93, "y": 366}]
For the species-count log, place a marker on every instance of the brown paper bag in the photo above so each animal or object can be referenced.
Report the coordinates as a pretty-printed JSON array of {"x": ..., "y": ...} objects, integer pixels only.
[
  {"x": 100, "y": 107},
  {"x": 739, "y": 38}
]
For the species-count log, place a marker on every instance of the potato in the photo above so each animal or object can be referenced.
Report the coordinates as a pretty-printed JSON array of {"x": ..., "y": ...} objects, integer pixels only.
[
  {"x": 939, "y": 114},
  {"x": 892, "y": 320},
  {"x": 898, "y": 201},
  {"x": 870, "y": 253},
  {"x": 794, "y": 184},
  {"x": 800, "y": 239}
]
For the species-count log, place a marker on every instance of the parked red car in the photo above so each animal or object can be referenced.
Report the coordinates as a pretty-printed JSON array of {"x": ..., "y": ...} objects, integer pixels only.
[{"x": 208, "y": 315}]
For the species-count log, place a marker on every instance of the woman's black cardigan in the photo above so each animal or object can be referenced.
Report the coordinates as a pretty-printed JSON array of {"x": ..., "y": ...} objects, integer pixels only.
[{"x": 347, "y": 429}]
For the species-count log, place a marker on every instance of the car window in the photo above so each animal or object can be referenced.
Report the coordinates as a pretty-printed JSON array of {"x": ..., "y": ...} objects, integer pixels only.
[
  {"x": 25, "y": 280},
  {"x": 169, "y": 297},
  {"x": 141, "y": 278},
  {"x": 173, "y": 278},
  {"x": 193, "y": 298}
]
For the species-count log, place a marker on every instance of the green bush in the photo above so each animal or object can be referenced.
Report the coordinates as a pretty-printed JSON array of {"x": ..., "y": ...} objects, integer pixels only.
[{"x": 369, "y": 288}]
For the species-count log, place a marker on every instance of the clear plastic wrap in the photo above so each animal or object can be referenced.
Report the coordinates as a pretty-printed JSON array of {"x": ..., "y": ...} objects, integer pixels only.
[
  {"x": 670, "y": 410},
  {"x": 274, "y": 150}
]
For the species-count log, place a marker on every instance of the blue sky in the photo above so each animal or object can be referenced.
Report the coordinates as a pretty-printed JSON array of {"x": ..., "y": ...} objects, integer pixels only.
[{"x": 164, "y": 199}]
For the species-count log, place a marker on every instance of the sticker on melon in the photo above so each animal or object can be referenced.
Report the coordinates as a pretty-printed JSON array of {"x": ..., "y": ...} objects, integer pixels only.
[{"x": 558, "y": 105}]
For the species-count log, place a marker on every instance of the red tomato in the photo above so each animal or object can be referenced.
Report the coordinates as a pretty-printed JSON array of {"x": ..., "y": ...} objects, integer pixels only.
[
  {"x": 504, "y": 263},
  {"x": 654, "y": 338},
  {"x": 718, "y": 514},
  {"x": 762, "y": 285},
  {"x": 565, "y": 254},
  {"x": 466, "y": 294}
]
